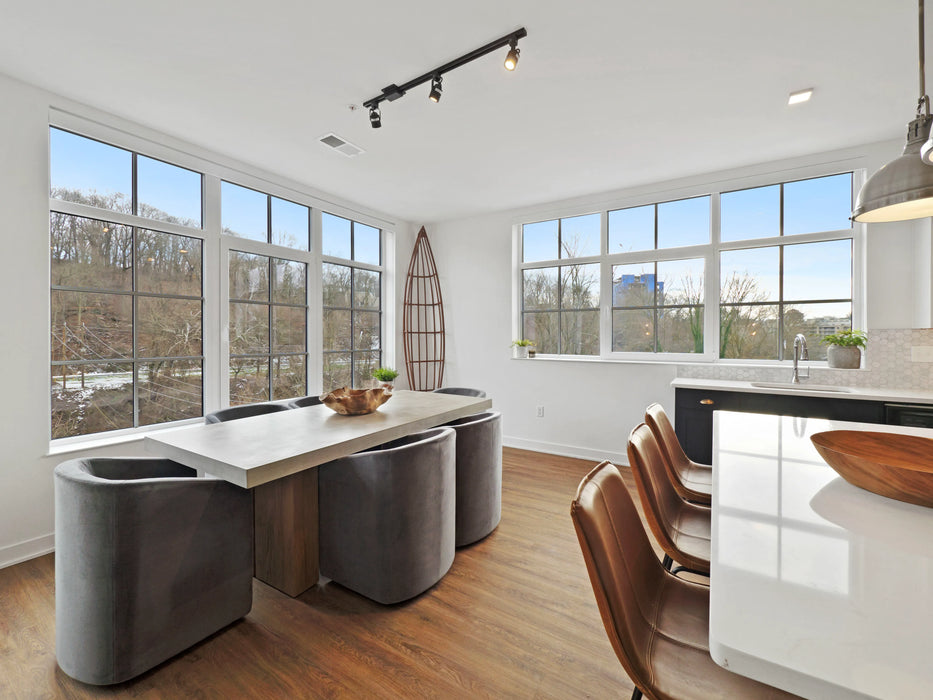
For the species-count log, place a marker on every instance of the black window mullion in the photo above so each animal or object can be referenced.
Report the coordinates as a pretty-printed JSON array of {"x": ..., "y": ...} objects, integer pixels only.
[
  {"x": 560, "y": 301},
  {"x": 780, "y": 329},
  {"x": 271, "y": 297},
  {"x": 560, "y": 241},
  {"x": 654, "y": 292},
  {"x": 134, "y": 286},
  {"x": 269, "y": 222},
  {"x": 134, "y": 198},
  {"x": 655, "y": 226},
  {"x": 657, "y": 315},
  {"x": 353, "y": 350}
]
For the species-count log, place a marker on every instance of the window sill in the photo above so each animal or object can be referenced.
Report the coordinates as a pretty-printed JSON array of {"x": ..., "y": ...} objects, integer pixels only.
[
  {"x": 600, "y": 360},
  {"x": 83, "y": 443},
  {"x": 731, "y": 364}
]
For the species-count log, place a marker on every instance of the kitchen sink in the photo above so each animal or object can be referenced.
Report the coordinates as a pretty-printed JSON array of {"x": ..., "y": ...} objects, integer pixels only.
[{"x": 803, "y": 386}]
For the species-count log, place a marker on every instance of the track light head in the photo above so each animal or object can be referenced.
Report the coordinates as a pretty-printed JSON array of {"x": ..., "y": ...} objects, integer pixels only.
[
  {"x": 392, "y": 92},
  {"x": 436, "y": 89},
  {"x": 511, "y": 59}
]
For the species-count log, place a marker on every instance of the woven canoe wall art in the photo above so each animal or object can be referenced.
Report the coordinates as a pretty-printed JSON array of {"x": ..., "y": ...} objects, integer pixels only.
[{"x": 423, "y": 319}]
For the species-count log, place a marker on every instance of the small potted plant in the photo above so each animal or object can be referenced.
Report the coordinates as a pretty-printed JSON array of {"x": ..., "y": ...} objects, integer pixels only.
[
  {"x": 385, "y": 376},
  {"x": 844, "y": 351},
  {"x": 522, "y": 348}
]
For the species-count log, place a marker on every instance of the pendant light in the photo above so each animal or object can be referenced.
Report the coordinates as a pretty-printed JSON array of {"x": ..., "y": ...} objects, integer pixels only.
[{"x": 903, "y": 189}]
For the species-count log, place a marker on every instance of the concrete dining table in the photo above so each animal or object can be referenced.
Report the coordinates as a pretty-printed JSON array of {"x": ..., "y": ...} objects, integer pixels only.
[{"x": 275, "y": 455}]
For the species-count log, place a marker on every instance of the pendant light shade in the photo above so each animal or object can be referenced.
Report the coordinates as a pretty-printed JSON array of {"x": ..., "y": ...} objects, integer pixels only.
[{"x": 902, "y": 189}]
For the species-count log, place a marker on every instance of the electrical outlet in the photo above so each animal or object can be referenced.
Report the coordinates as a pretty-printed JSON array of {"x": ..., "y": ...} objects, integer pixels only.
[{"x": 539, "y": 411}]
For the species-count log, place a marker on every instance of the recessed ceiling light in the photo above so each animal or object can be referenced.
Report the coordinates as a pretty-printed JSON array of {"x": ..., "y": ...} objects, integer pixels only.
[{"x": 800, "y": 96}]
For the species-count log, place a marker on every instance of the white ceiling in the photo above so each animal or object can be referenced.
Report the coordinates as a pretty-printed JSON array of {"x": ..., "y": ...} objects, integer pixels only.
[{"x": 608, "y": 93}]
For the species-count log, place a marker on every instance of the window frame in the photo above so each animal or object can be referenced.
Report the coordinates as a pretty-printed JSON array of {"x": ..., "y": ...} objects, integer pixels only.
[
  {"x": 215, "y": 247},
  {"x": 134, "y": 295},
  {"x": 709, "y": 252},
  {"x": 230, "y": 246},
  {"x": 357, "y": 265}
]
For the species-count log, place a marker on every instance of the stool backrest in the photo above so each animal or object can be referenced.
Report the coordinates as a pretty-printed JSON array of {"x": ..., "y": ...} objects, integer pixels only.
[
  {"x": 247, "y": 411},
  {"x": 305, "y": 401},
  {"x": 659, "y": 500},
  {"x": 461, "y": 391},
  {"x": 657, "y": 420},
  {"x": 624, "y": 571}
]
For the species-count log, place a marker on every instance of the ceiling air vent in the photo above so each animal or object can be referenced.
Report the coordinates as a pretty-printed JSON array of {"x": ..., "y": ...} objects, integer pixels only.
[{"x": 341, "y": 146}]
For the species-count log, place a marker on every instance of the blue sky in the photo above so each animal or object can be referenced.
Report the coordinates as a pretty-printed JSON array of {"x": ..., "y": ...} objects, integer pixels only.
[
  {"x": 811, "y": 271},
  {"x": 810, "y": 206},
  {"x": 83, "y": 164}
]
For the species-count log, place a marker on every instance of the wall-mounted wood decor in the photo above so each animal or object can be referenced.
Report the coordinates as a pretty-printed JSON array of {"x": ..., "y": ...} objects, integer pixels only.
[{"x": 423, "y": 320}]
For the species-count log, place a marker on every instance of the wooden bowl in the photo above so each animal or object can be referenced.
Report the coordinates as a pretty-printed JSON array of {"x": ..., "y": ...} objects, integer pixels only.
[
  {"x": 889, "y": 464},
  {"x": 355, "y": 402}
]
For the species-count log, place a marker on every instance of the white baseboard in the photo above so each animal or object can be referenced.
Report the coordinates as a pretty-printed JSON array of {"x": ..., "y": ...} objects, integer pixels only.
[
  {"x": 30, "y": 549},
  {"x": 555, "y": 448}
]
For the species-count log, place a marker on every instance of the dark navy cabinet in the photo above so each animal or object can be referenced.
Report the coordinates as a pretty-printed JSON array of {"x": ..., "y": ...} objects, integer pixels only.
[{"x": 693, "y": 413}]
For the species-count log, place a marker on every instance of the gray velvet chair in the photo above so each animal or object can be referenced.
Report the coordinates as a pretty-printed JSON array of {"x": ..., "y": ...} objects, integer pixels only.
[
  {"x": 461, "y": 391},
  {"x": 387, "y": 516},
  {"x": 479, "y": 475},
  {"x": 149, "y": 560},
  {"x": 250, "y": 409},
  {"x": 304, "y": 401}
]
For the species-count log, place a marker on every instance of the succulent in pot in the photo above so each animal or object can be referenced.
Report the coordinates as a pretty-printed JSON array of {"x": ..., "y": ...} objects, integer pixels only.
[
  {"x": 845, "y": 348},
  {"x": 522, "y": 347},
  {"x": 385, "y": 376}
]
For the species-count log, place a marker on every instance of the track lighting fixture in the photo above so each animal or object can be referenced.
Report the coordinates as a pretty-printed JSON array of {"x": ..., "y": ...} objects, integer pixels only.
[
  {"x": 436, "y": 89},
  {"x": 393, "y": 92},
  {"x": 511, "y": 59}
]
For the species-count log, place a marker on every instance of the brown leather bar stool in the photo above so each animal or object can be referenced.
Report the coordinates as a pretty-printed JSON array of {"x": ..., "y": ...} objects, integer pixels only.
[
  {"x": 692, "y": 480},
  {"x": 681, "y": 528},
  {"x": 665, "y": 651}
]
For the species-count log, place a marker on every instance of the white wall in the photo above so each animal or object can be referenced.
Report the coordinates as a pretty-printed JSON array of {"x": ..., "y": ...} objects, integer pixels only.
[
  {"x": 26, "y": 491},
  {"x": 590, "y": 406}
]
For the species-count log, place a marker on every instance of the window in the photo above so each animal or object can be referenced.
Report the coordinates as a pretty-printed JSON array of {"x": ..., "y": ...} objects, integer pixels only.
[
  {"x": 97, "y": 174},
  {"x": 770, "y": 293},
  {"x": 560, "y": 302},
  {"x": 175, "y": 291},
  {"x": 782, "y": 254},
  {"x": 261, "y": 217},
  {"x": 352, "y": 300},
  {"x": 268, "y": 328},
  {"x": 126, "y": 297},
  {"x": 657, "y": 306}
]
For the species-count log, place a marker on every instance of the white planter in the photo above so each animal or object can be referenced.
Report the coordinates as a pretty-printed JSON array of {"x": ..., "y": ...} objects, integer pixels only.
[
  {"x": 844, "y": 356},
  {"x": 521, "y": 352}
]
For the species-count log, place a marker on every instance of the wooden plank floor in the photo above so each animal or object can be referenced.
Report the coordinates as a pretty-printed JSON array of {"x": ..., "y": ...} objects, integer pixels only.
[{"x": 514, "y": 618}]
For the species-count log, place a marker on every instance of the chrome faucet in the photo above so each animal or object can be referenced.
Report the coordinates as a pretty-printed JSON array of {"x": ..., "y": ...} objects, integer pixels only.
[{"x": 800, "y": 353}]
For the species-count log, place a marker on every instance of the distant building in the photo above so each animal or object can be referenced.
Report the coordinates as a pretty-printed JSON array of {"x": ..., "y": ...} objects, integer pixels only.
[
  {"x": 829, "y": 325},
  {"x": 626, "y": 282}
]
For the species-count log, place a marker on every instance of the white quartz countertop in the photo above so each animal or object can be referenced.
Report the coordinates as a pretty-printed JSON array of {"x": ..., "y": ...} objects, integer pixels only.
[
  {"x": 817, "y": 586},
  {"x": 807, "y": 389}
]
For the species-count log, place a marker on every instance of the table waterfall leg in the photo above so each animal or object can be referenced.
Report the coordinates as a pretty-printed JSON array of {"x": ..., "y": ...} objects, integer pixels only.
[{"x": 285, "y": 520}]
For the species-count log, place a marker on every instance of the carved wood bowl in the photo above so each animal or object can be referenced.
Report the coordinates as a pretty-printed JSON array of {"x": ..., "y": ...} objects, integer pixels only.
[
  {"x": 355, "y": 402},
  {"x": 888, "y": 464}
]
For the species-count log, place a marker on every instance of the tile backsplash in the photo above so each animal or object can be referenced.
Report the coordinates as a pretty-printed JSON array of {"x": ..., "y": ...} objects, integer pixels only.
[{"x": 887, "y": 364}]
